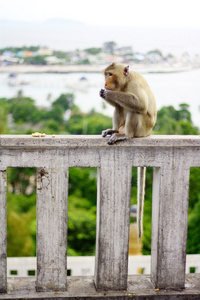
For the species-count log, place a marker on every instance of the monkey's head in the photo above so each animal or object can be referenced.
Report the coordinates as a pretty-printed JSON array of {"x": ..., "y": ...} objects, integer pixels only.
[{"x": 116, "y": 77}]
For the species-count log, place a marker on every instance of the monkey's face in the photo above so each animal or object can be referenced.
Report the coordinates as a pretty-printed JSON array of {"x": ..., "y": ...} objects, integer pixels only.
[{"x": 111, "y": 82}]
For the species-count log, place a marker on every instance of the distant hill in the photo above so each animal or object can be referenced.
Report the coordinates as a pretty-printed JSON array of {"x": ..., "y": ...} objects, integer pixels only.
[{"x": 64, "y": 34}]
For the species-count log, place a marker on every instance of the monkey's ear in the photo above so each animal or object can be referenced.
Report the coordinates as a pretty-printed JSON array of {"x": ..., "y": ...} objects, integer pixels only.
[{"x": 126, "y": 71}]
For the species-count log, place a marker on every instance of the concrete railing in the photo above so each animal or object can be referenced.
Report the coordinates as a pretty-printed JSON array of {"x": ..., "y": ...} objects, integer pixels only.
[{"x": 171, "y": 158}]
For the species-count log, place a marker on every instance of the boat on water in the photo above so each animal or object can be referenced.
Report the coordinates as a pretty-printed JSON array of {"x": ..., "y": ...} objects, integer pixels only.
[{"x": 13, "y": 80}]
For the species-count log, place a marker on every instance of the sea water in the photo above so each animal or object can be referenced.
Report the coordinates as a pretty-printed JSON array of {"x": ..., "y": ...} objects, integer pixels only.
[{"x": 169, "y": 89}]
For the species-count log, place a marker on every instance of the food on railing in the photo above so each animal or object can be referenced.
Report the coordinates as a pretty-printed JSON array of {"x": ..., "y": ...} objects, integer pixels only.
[{"x": 38, "y": 134}]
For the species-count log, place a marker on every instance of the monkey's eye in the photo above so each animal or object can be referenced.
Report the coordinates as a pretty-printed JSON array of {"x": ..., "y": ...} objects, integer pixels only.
[{"x": 109, "y": 74}]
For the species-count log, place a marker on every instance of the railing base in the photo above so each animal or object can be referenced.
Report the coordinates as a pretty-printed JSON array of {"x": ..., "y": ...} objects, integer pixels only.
[{"x": 139, "y": 287}]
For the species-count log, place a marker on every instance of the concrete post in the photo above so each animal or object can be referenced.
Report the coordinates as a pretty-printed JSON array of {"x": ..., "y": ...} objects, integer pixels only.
[
  {"x": 52, "y": 189},
  {"x": 3, "y": 232},
  {"x": 169, "y": 225},
  {"x": 113, "y": 218}
]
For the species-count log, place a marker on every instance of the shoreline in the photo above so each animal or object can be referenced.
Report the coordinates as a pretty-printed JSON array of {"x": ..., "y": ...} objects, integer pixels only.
[{"x": 140, "y": 68}]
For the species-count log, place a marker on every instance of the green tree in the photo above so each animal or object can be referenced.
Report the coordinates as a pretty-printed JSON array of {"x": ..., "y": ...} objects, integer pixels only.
[
  {"x": 21, "y": 212},
  {"x": 84, "y": 62},
  {"x": 92, "y": 123},
  {"x": 93, "y": 50},
  {"x": 81, "y": 228},
  {"x": 21, "y": 227},
  {"x": 147, "y": 213},
  {"x": 23, "y": 109},
  {"x": 3, "y": 116},
  {"x": 157, "y": 51},
  {"x": 56, "y": 114},
  {"x": 21, "y": 230},
  {"x": 60, "y": 54},
  {"x": 17, "y": 49},
  {"x": 35, "y": 60},
  {"x": 97, "y": 123},
  {"x": 19, "y": 179},
  {"x": 193, "y": 243},
  {"x": 172, "y": 121},
  {"x": 82, "y": 211},
  {"x": 109, "y": 47},
  {"x": 184, "y": 113},
  {"x": 52, "y": 126},
  {"x": 66, "y": 101},
  {"x": 82, "y": 182}
]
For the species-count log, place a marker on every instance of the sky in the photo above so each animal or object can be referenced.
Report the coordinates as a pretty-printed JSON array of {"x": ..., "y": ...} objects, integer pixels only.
[{"x": 163, "y": 13}]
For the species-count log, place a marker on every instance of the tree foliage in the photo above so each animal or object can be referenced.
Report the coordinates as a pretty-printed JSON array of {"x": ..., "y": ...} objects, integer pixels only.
[
  {"x": 21, "y": 227},
  {"x": 23, "y": 109},
  {"x": 92, "y": 123},
  {"x": 3, "y": 116},
  {"x": 93, "y": 51},
  {"x": 17, "y": 49},
  {"x": 35, "y": 60},
  {"x": 172, "y": 121},
  {"x": 65, "y": 101},
  {"x": 109, "y": 47}
]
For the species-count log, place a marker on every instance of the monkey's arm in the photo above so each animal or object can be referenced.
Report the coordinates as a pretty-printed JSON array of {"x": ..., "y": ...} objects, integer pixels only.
[{"x": 127, "y": 101}]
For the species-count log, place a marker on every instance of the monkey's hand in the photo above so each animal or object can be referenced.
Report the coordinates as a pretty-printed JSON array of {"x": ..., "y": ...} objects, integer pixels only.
[
  {"x": 102, "y": 93},
  {"x": 108, "y": 132}
]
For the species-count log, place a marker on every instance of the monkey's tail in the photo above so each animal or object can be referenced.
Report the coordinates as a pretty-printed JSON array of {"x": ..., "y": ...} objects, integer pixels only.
[{"x": 141, "y": 176}]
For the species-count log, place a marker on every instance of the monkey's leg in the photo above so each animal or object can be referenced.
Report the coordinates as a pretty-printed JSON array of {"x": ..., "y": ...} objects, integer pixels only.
[
  {"x": 116, "y": 137},
  {"x": 108, "y": 132}
]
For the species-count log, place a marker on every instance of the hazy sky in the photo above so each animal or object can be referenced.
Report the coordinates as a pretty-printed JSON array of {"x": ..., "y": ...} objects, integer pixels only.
[{"x": 167, "y": 13}]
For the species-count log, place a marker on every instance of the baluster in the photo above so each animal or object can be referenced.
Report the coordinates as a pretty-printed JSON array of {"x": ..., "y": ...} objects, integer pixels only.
[
  {"x": 169, "y": 225},
  {"x": 51, "y": 229},
  {"x": 113, "y": 219}
]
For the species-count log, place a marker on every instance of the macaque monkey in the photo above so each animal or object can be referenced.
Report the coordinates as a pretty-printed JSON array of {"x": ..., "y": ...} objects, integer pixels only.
[{"x": 134, "y": 116}]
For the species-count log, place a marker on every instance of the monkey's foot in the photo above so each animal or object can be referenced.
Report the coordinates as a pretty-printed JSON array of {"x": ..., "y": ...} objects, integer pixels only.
[
  {"x": 108, "y": 132},
  {"x": 116, "y": 137}
]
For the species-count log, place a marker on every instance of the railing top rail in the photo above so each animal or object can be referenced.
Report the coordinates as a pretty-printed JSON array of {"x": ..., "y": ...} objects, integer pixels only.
[{"x": 94, "y": 141}]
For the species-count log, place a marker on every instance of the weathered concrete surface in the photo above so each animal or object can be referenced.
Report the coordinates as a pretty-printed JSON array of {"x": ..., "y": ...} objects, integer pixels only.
[
  {"x": 113, "y": 221},
  {"x": 169, "y": 226},
  {"x": 82, "y": 288},
  {"x": 52, "y": 228},
  {"x": 27, "y": 141}
]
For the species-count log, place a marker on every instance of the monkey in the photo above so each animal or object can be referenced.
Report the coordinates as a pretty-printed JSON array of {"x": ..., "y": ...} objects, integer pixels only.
[
  {"x": 135, "y": 115},
  {"x": 135, "y": 106}
]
